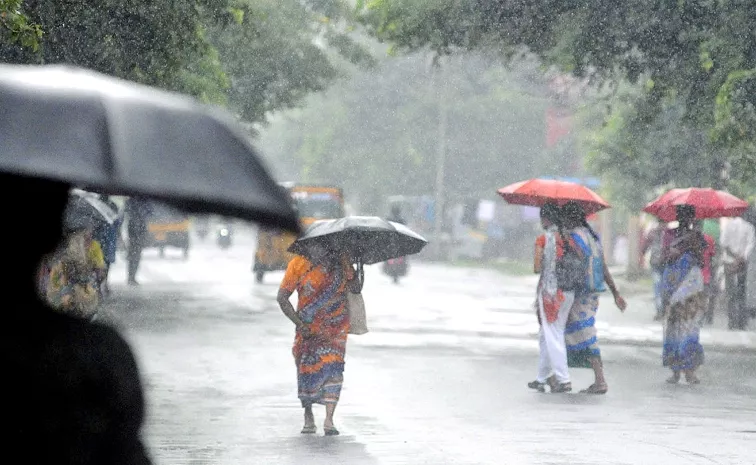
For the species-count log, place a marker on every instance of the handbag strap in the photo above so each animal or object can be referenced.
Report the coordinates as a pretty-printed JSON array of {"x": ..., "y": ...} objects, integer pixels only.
[{"x": 360, "y": 275}]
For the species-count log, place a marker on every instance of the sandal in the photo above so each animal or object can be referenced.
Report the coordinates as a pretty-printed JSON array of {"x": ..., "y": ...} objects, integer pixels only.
[
  {"x": 693, "y": 379},
  {"x": 552, "y": 382},
  {"x": 537, "y": 385},
  {"x": 674, "y": 379},
  {"x": 331, "y": 431},
  {"x": 596, "y": 389},
  {"x": 309, "y": 429},
  {"x": 561, "y": 388}
]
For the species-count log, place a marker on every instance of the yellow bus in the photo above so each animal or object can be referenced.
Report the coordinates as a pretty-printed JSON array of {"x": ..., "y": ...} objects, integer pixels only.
[{"x": 312, "y": 202}]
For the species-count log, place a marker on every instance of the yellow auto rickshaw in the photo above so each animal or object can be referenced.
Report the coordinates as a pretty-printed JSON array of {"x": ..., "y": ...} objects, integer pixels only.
[
  {"x": 167, "y": 227},
  {"x": 312, "y": 203}
]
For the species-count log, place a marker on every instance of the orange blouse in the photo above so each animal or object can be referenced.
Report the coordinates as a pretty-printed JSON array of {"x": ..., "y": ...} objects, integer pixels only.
[{"x": 307, "y": 279}]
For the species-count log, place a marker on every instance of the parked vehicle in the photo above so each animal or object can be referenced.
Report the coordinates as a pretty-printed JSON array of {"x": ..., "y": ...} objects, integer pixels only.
[
  {"x": 313, "y": 203},
  {"x": 167, "y": 227}
]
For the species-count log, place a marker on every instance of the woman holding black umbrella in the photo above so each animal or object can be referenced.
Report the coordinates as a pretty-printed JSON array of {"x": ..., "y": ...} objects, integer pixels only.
[
  {"x": 323, "y": 277},
  {"x": 322, "y": 282}
]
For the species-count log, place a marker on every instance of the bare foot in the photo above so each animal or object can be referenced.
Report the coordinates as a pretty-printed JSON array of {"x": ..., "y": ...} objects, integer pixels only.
[
  {"x": 675, "y": 378},
  {"x": 309, "y": 418}
]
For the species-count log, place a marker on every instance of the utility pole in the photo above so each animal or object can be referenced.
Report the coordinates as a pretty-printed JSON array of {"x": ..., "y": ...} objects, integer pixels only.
[{"x": 438, "y": 84}]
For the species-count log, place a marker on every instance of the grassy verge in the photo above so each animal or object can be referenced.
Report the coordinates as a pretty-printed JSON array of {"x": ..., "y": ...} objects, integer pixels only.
[{"x": 512, "y": 267}]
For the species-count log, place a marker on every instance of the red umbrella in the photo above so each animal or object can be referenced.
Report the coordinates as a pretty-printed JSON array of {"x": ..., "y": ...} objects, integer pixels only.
[
  {"x": 709, "y": 203},
  {"x": 537, "y": 192}
]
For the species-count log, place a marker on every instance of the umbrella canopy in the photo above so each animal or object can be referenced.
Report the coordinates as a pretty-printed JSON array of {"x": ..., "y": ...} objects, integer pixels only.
[
  {"x": 101, "y": 209},
  {"x": 81, "y": 214},
  {"x": 113, "y": 136},
  {"x": 368, "y": 239},
  {"x": 709, "y": 203},
  {"x": 538, "y": 192}
]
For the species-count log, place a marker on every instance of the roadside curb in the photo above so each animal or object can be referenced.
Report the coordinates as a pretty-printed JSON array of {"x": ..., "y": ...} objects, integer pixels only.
[
  {"x": 735, "y": 347},
  {"x": 628, "y": 288}
]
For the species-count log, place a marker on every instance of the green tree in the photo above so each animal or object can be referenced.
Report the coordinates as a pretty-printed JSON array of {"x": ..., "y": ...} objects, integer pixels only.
[
  {"x": 257, "y": 56},
  {"x": 149, "y": 42},
  {"x": 270, "y": 53},
  {"x": 690, "y": 59},
  {"x": 377, "y": 134},
  {"x": 15, "y": 27}
]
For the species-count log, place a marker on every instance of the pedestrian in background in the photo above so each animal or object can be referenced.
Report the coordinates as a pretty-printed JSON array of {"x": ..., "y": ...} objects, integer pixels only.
[
  {"x": 137, "y": 212},
  {"x": 580, "y": 334},
  {"x": 710, "y": 290},
  {"x": 737, "y": 241},
  {"x": 107, "y": 236},
  {"x": 652, "y": 242},
  {"x": 552, "y": 307},
  {"x": 684, "y": 297}
]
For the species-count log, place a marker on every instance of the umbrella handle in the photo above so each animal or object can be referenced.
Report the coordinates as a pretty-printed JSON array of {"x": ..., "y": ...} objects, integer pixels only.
[{"x": 360, "y": 274}]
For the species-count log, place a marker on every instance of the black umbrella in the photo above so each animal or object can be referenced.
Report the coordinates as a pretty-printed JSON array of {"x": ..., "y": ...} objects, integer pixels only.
[
  {"x": 368, "y": 239},
  {"x": 91, "y": 204},
  {"x": 81, "y": 214},
  {"x": 116, "y": 137}
]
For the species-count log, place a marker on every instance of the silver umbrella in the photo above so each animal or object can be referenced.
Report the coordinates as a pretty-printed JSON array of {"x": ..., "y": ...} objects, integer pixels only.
[
  {"x": 117, "y": 137},
  {"x": 367, "y": 239}
]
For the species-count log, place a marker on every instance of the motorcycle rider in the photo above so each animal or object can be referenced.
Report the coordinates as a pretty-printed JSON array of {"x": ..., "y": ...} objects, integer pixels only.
[
  {"x": 397, "y": 267},
  {"x": 224, "y": 233},
  {"x": 396, "y": 215}
]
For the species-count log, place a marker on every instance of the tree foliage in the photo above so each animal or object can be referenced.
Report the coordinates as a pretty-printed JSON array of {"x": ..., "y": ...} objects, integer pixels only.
[
  {"x": 692, "y": 62},
  {"x": 270, "y": 54},
  {"x": 257, "y": 56},
  {"x": 378, "y": 133},
  {"x": 15, "y": 27}
]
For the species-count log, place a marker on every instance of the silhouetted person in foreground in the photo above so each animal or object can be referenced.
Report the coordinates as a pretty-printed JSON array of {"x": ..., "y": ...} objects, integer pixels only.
[
  {"x": 71, "y": 388},
  {"x": 137, "y": 212}
]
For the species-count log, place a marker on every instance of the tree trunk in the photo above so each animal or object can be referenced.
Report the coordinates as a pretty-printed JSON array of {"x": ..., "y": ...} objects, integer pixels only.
[{"x": 634, "y": 270}]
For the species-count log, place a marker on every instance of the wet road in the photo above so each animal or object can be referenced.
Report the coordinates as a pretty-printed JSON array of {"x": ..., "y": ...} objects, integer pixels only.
[{"x": 432, "y": 383}]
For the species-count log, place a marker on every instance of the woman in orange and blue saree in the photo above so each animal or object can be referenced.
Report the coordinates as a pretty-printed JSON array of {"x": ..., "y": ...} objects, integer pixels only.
[{"x": 322, "y": 324}]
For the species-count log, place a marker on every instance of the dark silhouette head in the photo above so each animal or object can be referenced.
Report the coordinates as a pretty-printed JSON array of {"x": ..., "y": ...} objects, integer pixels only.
[
  {"x": 686, "y": 214},
  {"x": 750, "y": 215},
  {"x": 33, "y": 216},
  {"x": 319, "y": 254},
  {"x": 550, "y": 215},
  {"x": 396, "y": 210},
  {"x": 573, "y": 215}
]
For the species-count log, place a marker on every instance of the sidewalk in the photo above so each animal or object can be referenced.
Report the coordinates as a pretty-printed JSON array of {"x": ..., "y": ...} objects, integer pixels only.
[
  {"x": 463, "y": 307},
  {"x": 636, "y": 326}
]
